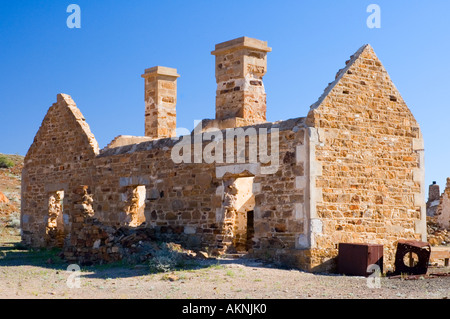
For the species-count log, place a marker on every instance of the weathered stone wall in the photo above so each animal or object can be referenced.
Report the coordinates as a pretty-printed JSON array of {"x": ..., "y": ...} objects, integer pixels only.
[
  {"x": 60, "y": 159},
  {"x": 183, "y": 201},
  {"x": 369, "y": 154},
  {"x": 351, "y": 171},
  {"x": 178, "y": 196},
  {"x": 280, "y": 198},
  {"x": 190, "y": 198}
]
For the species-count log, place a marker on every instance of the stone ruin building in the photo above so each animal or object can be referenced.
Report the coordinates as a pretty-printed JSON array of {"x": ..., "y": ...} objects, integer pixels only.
[
  {"x": 438, "y": 205},
  {"x": 438, "y": 214},
  {"x": 434, "y": 199},
  {"x": 350, "y": 171}
]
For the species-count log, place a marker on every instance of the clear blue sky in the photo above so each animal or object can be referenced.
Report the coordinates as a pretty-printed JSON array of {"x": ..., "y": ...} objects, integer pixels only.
[{"x": 100, "y": 64}]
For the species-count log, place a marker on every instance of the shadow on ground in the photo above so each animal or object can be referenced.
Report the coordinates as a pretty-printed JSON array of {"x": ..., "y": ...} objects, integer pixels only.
[{"x": 14, "y": 254}]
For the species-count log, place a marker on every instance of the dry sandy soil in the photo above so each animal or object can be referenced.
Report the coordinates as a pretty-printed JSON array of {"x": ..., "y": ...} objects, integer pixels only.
[{"x": 40, "y": 274}]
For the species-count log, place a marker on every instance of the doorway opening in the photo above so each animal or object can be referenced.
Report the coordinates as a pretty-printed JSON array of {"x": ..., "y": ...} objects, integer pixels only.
[
  {"x": 250, "y": 229},
  {"x": 238, "y": 204},
  {"x": 55, "y": 224},
  {"x": 135, "y": 205}
]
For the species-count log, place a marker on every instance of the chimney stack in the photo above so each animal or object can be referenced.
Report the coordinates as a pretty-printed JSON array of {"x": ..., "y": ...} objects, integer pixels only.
[
  {"x": 240, "y": 66},
  {"x": 433, "y": 192},
  {"x": 160, "y": 102}
]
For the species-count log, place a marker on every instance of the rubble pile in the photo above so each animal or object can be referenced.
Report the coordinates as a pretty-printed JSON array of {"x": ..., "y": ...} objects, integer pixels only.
[
  {"x": 437, "y": 236},
  {"x": 96, "y": 243}
]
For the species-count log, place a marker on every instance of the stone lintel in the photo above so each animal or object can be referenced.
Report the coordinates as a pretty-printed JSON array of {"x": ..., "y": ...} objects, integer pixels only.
[
  {"x": 54, "y": 187},
  {"x": 133, "y": 181}
]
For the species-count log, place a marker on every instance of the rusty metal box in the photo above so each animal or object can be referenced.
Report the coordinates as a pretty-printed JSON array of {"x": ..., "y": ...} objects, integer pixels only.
[{"x": 354, "y": 259}]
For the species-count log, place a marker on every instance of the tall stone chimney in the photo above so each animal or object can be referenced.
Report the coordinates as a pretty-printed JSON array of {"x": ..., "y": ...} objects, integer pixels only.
[
  {"x": 433, "y": 192},
  {"x": 240, "y": 66},
  {"x": 160, "y": 101}
]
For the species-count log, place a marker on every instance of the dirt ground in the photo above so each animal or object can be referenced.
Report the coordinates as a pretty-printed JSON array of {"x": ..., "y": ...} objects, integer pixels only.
[{"x": 41, "y": 274}]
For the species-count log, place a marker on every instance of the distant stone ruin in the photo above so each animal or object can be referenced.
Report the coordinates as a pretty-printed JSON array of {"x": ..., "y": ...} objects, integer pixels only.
[
  {"x": 438, "y": 214},
  {"x": 351, "y": 170}
]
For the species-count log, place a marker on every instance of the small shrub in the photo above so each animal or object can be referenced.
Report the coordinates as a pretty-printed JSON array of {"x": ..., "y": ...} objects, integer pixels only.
[
  {"x": 5, "y": 162},
  {"x": 165, "y": 260}
]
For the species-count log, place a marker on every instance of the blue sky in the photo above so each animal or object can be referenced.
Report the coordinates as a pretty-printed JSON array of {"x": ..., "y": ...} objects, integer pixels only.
[{"x": 100, "y": 64}]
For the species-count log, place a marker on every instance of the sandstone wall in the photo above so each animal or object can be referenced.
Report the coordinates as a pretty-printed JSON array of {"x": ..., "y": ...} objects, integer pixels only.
[
  {"x": 183, "y": 201},
  {"x": 369, "y": 154},
  {"x": 60, "y": 159},
  {"x": 351, "y": 171},
  {"x": 190, "y": 198}
]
